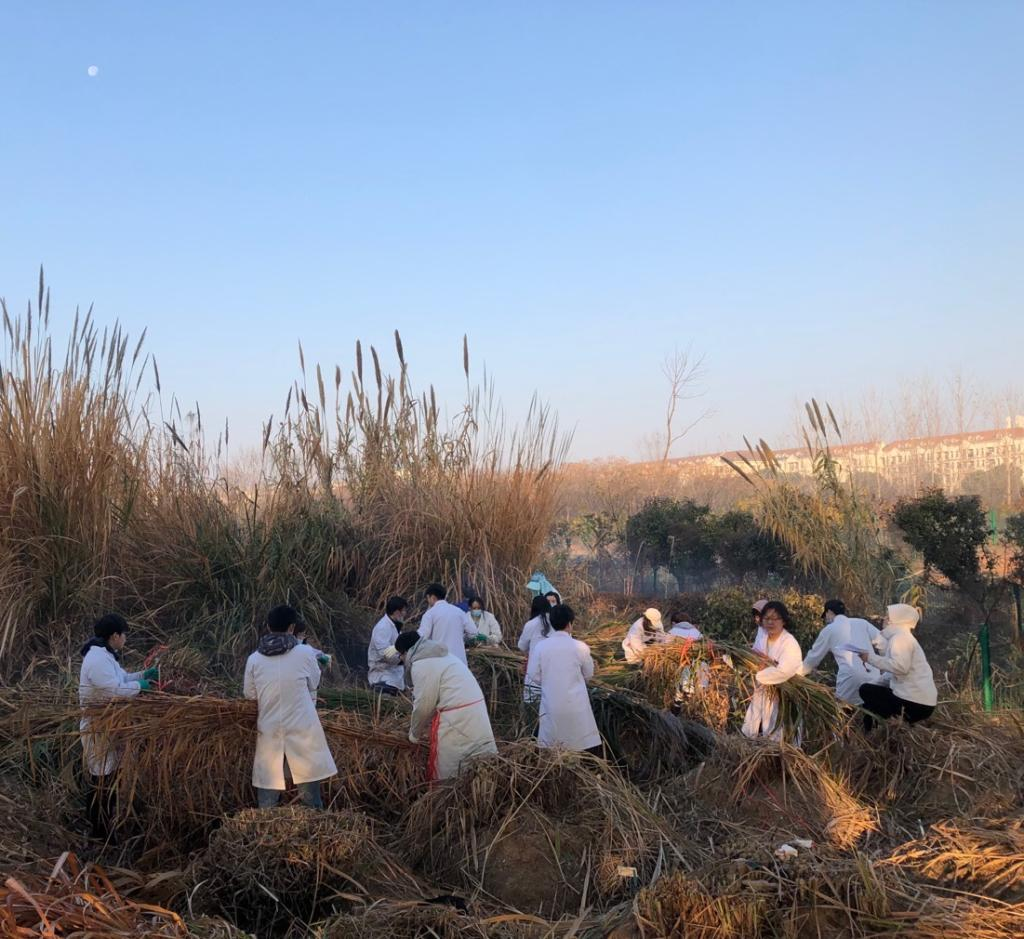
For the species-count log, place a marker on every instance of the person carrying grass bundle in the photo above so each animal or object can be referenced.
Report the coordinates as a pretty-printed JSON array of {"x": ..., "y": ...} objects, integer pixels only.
[
  {"x": 282, "y": 678},
  {"x": 448, "y": 708},
  {"x": 840, "y": 633},
  {"x": 646, "y": 631},
  {"x": 560, "y": 666},
  {"x": 100, "y": 681},
  {"x": 777, "y": 643},
  {"x": 911, "y": 693},
  {"x": 385, "y": 672},
  {"x": 446, "y": 623}
]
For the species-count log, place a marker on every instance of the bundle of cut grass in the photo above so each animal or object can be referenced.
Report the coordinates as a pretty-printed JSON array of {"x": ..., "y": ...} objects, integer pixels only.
[
  {"x": 419, "y": 920},
  {"x": 266, "y": 866},
  {"x": 186, "y": 761},
  {"x": 955, "y": 764},
  {"x": 77, "y": 901},
  {"x": 214, "y": 927},
  {"x": 986, "y": 855},
  {"x": 541, "y": 830},
  {"x": 782, "y": 789}
]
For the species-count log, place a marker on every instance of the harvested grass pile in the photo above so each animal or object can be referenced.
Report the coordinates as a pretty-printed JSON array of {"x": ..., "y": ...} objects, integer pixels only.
[
  {"x": 780, "y": 788},
  {"x": 76, "y": 901},
  {"x": 187, "y": 761},
  {"x": 848, "y": 898},
  {"x": 540, "y": 830},
  {"x": 418, "y": 920},
  {"x": 985, "y": 855},
  {"x": 264, "y": 866},
  {"x": 955, "y": 764}
]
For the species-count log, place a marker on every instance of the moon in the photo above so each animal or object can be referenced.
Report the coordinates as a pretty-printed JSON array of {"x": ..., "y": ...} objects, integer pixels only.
[{"x": 92, "y": 71}]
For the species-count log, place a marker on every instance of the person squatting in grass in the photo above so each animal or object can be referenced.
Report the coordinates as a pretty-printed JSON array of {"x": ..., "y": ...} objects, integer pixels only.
[
  {"x": 282, "y": 677},
  {"x": 911, "y": 692},
  {"x": 646, "y": 631},
  {"x": 448, "y": 708},
  {"x": 560, "y": 667},
  {"x": 101, "y": 680},
  {"x": 385, "y": 672}
]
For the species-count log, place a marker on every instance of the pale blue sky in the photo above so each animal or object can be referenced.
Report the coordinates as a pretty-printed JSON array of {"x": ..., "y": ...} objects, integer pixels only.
[{"x": 820, "y": 196}]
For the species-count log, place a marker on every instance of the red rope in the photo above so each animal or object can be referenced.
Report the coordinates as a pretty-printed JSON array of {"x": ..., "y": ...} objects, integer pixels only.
[{"x": 435, "y": 725}]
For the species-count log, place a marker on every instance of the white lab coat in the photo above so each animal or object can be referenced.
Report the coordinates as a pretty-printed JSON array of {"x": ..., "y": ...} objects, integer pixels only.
[
  {"x": 288, "y": 727},
  {"x": 685, "y": 631},
  {"x": 445, "y": 692},
  {"x": 904, "y": 660},
  {"x": 100, "y": 681},
  {"x": 763, "y": 712},
  {"x": 488, "y": 626},
  {"x": 379, "y": 667},
  {"x": 561, "y": 666},
  {"x": 446, "y": 623},
  {"x": 532, "y": 634},
  {"x": 638, "y": 639},
  {"x": 851, "y": 672}
]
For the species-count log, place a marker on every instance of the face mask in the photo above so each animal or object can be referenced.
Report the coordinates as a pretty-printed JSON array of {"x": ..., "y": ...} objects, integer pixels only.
[
  {"x": 397, "y": 619},
  {"x": 476, "y": 613}
]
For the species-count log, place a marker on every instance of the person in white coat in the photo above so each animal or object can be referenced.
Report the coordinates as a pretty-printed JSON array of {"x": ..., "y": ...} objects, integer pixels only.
[
  {"x": 911, "y": 693},
  {"x": 385, "y": 672},
  {"x": 561, "y": 666},
  {"x": 537, "y": 628},
  {"x": 690, "y": 679},
  {"x": 777, "y": 643},
  {"x": 282, "y": 677},
  {"x": 446, "y": 623},
  {"x": 646, "y": 631},
  {"x": 484, "y": 622},
  {"x": 448, "y": 711},
  {"x": 100, "y": 681},
  {"x": 839, "y": 634}
]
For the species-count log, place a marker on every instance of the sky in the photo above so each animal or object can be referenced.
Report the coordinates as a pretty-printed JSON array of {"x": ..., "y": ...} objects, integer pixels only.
[{"x": 818, "y": 197}]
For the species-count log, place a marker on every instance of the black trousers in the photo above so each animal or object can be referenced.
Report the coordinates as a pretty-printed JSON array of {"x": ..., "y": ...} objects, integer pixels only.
[
  {"x": 880, "y": 701},
  {"x": 100, "y": 805}
]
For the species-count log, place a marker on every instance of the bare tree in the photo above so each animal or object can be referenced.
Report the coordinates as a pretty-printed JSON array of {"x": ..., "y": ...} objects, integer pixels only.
[
  {"x": 964, "y": 399},
  {"x": 684, "y": 373}
]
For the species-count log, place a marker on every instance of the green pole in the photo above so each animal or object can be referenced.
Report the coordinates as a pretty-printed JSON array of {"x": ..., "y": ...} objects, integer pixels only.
[{"x": 986, "y": 667}]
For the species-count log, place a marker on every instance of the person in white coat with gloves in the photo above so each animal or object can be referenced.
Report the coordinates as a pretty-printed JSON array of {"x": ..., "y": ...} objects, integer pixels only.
[
  {"x": 646, "y": 631},
  {"x": 100, "y": 681},
  {"x": 282, "y": 678},
  {"x": 911, "y": 693},
  {"x": 446, "y": 623},
  {"x": 561, "y": 666},
  {"x": 385, "y": 672},
  {"x": 777, "y": 643},
  {"x": 839, "y": 635},
  {"x": 448, "y": 711},
  {"x": 484, "y": 622}
]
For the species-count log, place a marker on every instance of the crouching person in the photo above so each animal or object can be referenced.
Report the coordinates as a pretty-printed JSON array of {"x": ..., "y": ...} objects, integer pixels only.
[
  {"x": 448, "y": 706},
  {"x": 282, "y": 678}
]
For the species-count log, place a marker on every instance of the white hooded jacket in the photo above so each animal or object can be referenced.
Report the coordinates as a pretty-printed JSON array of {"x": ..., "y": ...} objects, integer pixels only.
[
  {"x": 851, "y": 672},
  {"x": 100, "y": 681},
  {"x": 448, "y": 707},
  {"x": 904, "y": 660},
  {"x": 288, "y": 726},
  {"x": 561, "y": 666}
]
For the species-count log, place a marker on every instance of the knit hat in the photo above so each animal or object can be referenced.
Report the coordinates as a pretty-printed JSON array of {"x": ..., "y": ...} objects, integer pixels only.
[
  {"x": 654, "y": 616},
  {"x": 903, "y": 615}
]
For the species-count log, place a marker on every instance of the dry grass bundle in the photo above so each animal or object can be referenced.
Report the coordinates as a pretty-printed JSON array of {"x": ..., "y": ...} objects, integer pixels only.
[
  {"x": 187, "y": 761},
  {"x": 782, "y": 789},
  {"x": 535, "y": 822},
  {"x": 680, "y": 905},
  {"x": 77, "y": 901},
  {"x": 984, "y": 854},
  {"x": 265, "y": 866},
  {"x": 956, "y": 763}
]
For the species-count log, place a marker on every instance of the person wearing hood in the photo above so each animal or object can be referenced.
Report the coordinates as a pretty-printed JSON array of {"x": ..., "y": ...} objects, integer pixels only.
[
  {"x": 100, "y": 681},
  {"x": 384, "y": 667},
  {"x": 644, "y": 632},
  {"x": 484, "y": 621},
  {"x": 911, "y": 693},
  {"x": 448, "y": 708},
  {"x": 282, "y": 677},
  {"x": 560, "y": 667},
  {"x": 777, "y": 643},
  {"x": 446, "y": 623},
  {"x": 840, "y": 633}
]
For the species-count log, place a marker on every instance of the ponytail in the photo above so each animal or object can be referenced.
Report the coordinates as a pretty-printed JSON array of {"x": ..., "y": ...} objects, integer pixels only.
[{"x": 545, "y": 624}]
